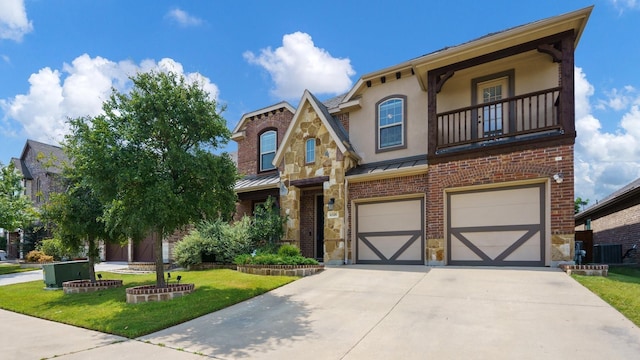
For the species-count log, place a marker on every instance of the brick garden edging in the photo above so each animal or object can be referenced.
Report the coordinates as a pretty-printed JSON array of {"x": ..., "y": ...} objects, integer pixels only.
[
  {"x": 147, "y": 293},
  {"x": 209, "y": 266},
  {"x": 146, "y": 266},
  {"x": 83, "y": 286},
  {"x": 588, "y": 270},
  {"x": 281, "y": 270}
]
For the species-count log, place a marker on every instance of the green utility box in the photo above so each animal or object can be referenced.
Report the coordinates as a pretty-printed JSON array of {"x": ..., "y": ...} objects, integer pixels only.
[{"x": 56, "y": 273}]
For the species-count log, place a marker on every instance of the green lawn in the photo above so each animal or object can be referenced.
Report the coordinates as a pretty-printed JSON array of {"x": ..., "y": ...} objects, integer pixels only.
[
  {"x": 621, "y": 289},
  {"x": 13, "y": 268},
  {"x": 107, "y": 311}
]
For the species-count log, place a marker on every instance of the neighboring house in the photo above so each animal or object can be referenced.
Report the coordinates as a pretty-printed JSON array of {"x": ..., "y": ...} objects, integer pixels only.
[
  {"x": 615, "y": 219},
  {"x": 463, "y": 156},
  {"x": 40, "y": 166}
]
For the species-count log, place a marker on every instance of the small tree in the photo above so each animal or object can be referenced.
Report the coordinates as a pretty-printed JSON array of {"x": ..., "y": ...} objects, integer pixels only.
[
  {"x": 75, "y": 217},
  {"x": 148, "y": 158},
  {"x": 16, "y": 210},
  {"x": 580, "y": 204},
  {"x": 268, "y": 225}
]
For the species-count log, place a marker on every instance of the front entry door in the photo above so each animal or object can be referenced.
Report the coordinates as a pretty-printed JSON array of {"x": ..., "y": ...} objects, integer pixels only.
[{"x": 319, "y": 228}]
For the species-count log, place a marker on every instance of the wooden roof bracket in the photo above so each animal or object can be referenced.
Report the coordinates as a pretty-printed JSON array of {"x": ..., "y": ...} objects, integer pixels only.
[
  {"x": 552, "y": 51},
  {"x": 441, "y": 79}
]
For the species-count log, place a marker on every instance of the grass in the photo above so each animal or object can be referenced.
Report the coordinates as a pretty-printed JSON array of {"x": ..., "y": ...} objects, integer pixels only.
[
  {"x": 107, "y": 311},
  {"x": 621, "y": 289},
  {"x": 13, "y": 268}
]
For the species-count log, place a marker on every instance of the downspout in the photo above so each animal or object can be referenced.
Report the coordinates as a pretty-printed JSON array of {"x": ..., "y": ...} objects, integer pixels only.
[{"x": 346, "y": 218}]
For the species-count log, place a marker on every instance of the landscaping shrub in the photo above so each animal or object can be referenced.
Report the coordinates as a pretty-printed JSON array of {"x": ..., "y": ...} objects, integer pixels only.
[
  {"x": 288, "y": 250},
  {"x": 36, "y": 256},
  {"x": 217, "y": 240},
  {"x": 55, "y": 248},
  {"x": 287, "y": 255},
  {"x": 268, "y": 225}
]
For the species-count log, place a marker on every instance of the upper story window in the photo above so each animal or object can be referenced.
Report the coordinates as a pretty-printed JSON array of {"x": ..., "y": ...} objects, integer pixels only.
[
  {"x": 267, "y": 150},
  {"x": 310, "y": 151},
  {"x": 391, "y": 123}
]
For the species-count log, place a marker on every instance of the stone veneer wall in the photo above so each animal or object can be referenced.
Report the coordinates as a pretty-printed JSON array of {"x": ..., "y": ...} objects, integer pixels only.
[
  {"x": 515, "y": 166},
  {"x": 329, "y": 161}
]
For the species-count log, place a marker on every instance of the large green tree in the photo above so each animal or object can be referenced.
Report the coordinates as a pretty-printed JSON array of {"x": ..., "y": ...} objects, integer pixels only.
[
  {"x": 149, "y": 158},
  {"x": 16, "y": 211}
]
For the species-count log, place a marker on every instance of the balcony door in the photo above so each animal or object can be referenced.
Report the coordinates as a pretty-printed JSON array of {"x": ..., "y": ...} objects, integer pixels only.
[{"x": 492, "y": 118}]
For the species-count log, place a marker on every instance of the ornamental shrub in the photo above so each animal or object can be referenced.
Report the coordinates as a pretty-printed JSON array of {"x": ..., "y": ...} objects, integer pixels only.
[
  {"x": 36, "y": 256},
  {"x": 288, "y": 250},
  {"x": 55, "y": 248}
]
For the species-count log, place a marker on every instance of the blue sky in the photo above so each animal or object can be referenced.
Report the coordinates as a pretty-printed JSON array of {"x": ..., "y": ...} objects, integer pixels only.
[{"x": 59, "y": 59}]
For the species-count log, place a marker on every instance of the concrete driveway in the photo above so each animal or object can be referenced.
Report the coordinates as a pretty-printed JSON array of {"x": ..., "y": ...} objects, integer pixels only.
[
  {"x": 359, "y": 312},
  {"x": 381, "y": 312}
]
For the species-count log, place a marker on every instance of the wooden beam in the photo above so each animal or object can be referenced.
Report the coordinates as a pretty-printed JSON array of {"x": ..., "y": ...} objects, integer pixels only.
[
  {"x": 432, "y": 114},
  {"x": 567, "y": 93},
  {"x": 443, "y": 79},
  {"x": 551, "y": 50}
]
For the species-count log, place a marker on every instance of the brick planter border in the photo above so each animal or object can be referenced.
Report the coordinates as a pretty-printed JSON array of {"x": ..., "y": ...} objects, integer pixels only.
[
  {"x": 588, "y": 270},
  {"x": 146, "y": 266},
  {"x": 209, "y": 266},
  {"x": 83, "y": 286},
  {"x": 281, "y": 270},
  {"x": 148, "y": 293}
]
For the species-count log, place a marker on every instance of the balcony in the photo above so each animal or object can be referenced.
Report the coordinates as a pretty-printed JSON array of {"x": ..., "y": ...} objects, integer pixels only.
[{"x": 502, "y": 122}]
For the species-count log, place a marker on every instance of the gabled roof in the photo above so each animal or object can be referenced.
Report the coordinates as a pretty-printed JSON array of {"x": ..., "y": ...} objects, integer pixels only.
[
  {"x": 575, "y": 20},
  {"x": 49, "y": 151},
  {"x": 268, "y": 109},
  {"x": 625, "y": 193},
  {"x": 335, "y": 128}
]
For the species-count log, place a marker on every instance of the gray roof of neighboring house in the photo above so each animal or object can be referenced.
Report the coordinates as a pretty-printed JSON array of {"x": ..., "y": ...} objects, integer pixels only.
[
  {"x": 20, "y": 166},
  {"x": 59, "y": 158},
  {"x": 627, "y": 191}
]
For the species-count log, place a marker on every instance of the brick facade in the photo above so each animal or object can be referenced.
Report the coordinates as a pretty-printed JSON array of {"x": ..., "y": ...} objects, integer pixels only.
[
  {"x": 248, "y": 148},
  {"x": 620, "y": 227}
]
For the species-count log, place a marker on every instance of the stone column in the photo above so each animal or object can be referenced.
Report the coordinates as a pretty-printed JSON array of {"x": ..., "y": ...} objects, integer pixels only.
[{"x": 290, "y": 207}]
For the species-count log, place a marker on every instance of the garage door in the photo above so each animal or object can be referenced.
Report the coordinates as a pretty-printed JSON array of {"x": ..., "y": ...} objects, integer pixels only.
[
  {"x": 390, "y": 232},
  {"x": 504, "y": 227}
]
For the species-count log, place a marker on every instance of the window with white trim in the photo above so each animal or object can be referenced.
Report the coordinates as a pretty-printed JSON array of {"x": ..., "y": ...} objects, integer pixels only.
[
  {"x": 267, "y": 150},
  {"x": 391, "y": 123},
  {"x": 310, "y": 151}
]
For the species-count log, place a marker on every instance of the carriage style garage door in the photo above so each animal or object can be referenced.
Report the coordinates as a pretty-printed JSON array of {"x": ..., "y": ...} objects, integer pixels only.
[
  {"x": 390, "y": 232},
  {"x": 504, "y": 227}
]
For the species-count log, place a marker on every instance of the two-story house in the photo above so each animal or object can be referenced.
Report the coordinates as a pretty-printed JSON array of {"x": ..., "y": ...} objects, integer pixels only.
[{"x": 463, "y": 156}]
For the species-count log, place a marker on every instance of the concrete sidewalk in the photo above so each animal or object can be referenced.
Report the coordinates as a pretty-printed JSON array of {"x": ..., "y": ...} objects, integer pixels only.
[{"x": 375, "y": 312}]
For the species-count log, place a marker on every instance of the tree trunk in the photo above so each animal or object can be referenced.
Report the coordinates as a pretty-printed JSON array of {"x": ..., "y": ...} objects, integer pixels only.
[
  {"x": 160, "y": 283},
  {"x": 91, "y": 257}
]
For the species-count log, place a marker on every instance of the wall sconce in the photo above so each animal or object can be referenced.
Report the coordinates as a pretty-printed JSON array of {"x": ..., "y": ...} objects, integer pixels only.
[
  {"x": 558, "y": 178},
  {"x": 332, "y": 201}
]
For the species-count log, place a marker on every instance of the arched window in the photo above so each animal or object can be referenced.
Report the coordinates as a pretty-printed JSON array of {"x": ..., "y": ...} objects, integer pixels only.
[
  {"x": 268, "y": 141},
  {"x": 310, "y": 151},
  {"x": 391, "y": 120}
]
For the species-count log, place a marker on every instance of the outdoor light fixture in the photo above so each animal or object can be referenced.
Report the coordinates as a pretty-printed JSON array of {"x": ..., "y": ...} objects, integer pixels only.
[
  {"x": 179, "y": 278},
  {"x": 99, "y": 276},
  {"x": 558, "y": 177},
  {"x": 332, "y": 201}
]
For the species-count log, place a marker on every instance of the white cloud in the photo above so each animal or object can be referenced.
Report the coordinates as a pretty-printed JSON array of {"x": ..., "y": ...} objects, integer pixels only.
[
  {"x": 13, "y": 20},
  {"x": 605, "y": 161},
  {"x": 183, "y": 18},
  {"x": 78, "y": 89},
  {"x": 622, "y": 5},
  {"x": 298, "y": 65}
]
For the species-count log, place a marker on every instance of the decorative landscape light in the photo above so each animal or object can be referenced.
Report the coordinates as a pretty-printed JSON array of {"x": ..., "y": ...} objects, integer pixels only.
[{"x": 179, "y": 278}]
